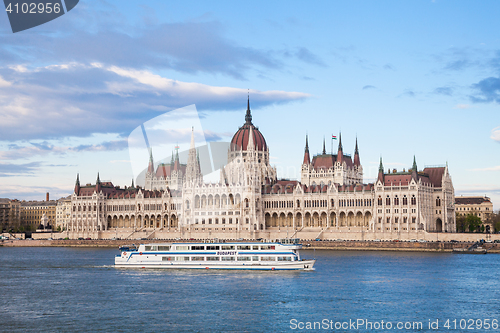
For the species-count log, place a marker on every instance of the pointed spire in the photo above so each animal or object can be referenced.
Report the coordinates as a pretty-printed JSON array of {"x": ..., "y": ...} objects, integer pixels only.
[
  {"x": 172, "y": 160},
  {"x": 340, "y": 153},
  {"x": 133, "y": 183},
  {"x": 324, "y": 146},
  {"x": 306, "y": 153},
  {"x": 151, "y": 166},
  {"x": 414, "y": 170},
  {"x": 77, "y": 184},
  {"x": 356, "y": 154},
  {"x": 98, "y": 184},
  {"x": 248, "y": 116},
  {"x": 176, "y": 163},
  {"x": 192, "y": 137},
  {"x": 381, "y": 171}
]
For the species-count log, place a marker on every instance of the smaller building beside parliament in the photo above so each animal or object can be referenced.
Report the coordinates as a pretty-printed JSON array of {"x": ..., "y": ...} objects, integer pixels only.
[{"x": 250, "y": 201}]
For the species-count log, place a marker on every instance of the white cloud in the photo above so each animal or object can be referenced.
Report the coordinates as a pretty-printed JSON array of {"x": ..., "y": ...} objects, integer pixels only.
[
  {"x": 74, "y": 99},
  {"x": 462, "y": 106},
  {"x": 495, "y": 168},
  {"x": 495, "y": 134},
  {"x": 4, "y": 83},
  {"x": 190, "y": 89}
]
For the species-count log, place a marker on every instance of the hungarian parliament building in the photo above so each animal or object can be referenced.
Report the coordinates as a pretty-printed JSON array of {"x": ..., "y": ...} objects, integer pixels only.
[{"x": 251, "y": 200}]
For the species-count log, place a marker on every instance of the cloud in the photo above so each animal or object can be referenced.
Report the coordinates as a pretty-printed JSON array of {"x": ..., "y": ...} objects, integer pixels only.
[
  {"x": 44, "y": 148},
  {"x": 34, "y": 192},
  {"x": 443, "y": 91},
  {"x": 407, "y": 93},
  {"x": 307, "y": 56},
  {"x": 4, "y": 83},
  {"x": 495, "y": 168},
  {"x": 100, "y": 34},
  {"x": 457, "y": 65},
  {"x": 488, "y": 90},
  {"x": 105, "y": 146},
  {"x": 368, "y": 87},
  {"x": 190, "y": 47},
  {"x": 10, "y": 169},
  {"x": 462, "y": 106},
  {"x": 495, "y": 134},
  {"x": 78, "y": 99}
]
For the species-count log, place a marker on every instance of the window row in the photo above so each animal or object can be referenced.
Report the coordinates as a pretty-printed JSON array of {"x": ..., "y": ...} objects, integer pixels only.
[{"x": 228, "y": 258}]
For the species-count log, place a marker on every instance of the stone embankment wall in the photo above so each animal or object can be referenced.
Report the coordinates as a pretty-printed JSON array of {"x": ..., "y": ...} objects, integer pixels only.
[
  {"x": 318, "y": 245},
  {"x": 310, "y": 234}
]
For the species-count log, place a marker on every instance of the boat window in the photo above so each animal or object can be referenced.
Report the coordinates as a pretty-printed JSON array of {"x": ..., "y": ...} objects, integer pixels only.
[
  {"x": 255, "y": 258},
  {"x": 227, "y": 258},
  {"x": 268, "y": 259},
  {"x": 182, "y": 258},
  {"x": 243, "y": 247},
  {"x": 273, "y": 247},
  {"x": 265, "y": 247},
  {"x": 182, "y": 248},
  {"x": 212, "y": 258},
  {"x": 284, "y": 258},
  {"x": 255, "y": 247},
  {"x": 168, "y": 258},
  {"x": 197, "y": 258},
  {"x": 227, "y": 247},
  {"x": 163, "y": 248},
  {"x": 213, "y": 247},
  {"x": 197, "y": 247},
  {"x": 244, "y": 258},
  {"x": 151, "y": 248}
]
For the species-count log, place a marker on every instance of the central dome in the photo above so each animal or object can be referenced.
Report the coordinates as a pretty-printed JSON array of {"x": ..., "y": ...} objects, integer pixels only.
[{"x": 240, "y": 138}]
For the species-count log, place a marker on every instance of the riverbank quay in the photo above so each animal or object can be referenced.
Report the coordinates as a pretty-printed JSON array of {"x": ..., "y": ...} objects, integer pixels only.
[
  {"x": 341, "y": 245},
  {"x": 395, "y": 246}
]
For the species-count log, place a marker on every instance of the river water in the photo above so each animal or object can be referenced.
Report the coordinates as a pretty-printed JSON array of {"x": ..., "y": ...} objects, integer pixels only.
[{"x": 79, "y": 290}]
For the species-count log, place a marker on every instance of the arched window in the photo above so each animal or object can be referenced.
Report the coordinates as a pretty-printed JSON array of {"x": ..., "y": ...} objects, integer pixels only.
[
  {"x": 413, "y": 200},
  {"x": 379, "y": 201},
  {"x": 387, "y": 201},
  {"x": 438, "y": 202}
]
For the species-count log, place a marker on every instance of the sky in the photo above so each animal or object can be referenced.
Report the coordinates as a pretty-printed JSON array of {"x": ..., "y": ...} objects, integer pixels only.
[{"x": 406, "y": 78}]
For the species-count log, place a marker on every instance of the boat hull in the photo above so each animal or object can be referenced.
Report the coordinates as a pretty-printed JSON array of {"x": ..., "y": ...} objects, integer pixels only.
[{"x": 297, "y": 265}]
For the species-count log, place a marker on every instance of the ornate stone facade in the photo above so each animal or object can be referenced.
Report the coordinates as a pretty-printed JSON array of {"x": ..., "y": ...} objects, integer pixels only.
[{"x": 249, "y": 196}]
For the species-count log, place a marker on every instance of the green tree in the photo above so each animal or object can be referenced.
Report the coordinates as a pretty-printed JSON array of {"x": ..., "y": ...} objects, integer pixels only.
[
  {"x": 461, "y": 224},
  {"x": 473, "y": 223},
  {"x": 494, "y": 219}
]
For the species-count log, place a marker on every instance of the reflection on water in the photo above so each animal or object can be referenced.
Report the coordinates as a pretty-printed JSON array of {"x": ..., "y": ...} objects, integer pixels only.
[{"x": 78, "y": 289}]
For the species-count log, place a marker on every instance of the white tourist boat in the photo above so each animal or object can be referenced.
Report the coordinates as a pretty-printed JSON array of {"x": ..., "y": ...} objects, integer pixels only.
[{"x": 278, "y": 255}]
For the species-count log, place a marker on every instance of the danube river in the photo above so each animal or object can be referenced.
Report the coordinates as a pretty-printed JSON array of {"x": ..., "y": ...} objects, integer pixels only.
[{"x": 79, "y": 290}]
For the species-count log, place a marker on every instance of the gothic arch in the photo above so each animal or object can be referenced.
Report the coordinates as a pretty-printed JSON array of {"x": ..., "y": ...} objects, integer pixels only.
[
  {"x": 439, "y": 225},
  {"x": 268, "y": 220}
]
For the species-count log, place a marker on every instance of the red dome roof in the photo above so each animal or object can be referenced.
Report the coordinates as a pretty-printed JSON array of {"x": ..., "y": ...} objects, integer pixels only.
[{"x": 240, "y": 138}]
